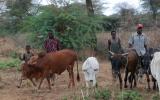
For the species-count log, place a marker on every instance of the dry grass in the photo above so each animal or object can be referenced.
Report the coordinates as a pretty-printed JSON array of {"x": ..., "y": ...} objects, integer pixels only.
[
  {"x": 152, "y": 34},
  {"x": 10, "y": 77}
]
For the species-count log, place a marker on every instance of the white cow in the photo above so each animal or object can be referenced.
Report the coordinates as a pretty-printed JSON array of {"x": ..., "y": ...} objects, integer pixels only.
[
  {"x": 155, "y": 68},
  {"x": 90, "y": 68}
]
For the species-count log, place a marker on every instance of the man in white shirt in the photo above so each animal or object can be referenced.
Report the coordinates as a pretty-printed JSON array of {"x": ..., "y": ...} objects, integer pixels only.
[{"x": 138, "y": 41}]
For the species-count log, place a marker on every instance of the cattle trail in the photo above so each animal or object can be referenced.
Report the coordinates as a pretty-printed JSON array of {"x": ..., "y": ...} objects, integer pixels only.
[{"x": 9, "y": 81}]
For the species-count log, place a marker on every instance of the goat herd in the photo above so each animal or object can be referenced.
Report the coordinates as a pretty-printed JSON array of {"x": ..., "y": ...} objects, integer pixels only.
[{"x": 47, "y": 65}]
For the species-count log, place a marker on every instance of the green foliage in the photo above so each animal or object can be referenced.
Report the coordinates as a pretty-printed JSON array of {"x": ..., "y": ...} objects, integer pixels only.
[
  {"x": 10, "y": 63},
  {"x": 152, "y": 6},
  {"x": 74, "y": 30},
  {"x": 156, "y": 97},
  {"x": 110, "y": 23},
  {"x": 13, "y": 54},
  {"x": 64, "y": 98},
  {"x": 103, "y": 94},
  {"x": 18, "y": 9},
  {"x": 129, "y": 95}
]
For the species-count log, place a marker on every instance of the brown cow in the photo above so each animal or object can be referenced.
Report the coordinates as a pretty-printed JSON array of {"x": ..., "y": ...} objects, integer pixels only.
[
  {"x": 132, "y": 61},
  {"x": 56, "y": 63},
  {"x": 29, "y": 72}
]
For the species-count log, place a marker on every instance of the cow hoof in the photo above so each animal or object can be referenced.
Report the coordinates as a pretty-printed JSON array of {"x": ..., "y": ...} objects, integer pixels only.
[
  {"x": 125, "y": 86},
  {"x": 18, "y": 86},
  {"x": 148, "y": 89},
  {"x": 120, "y": 87},
  {"x": 131, "y": 88},
  {"x": 154, "y": 88},
  {"x": 52, "y": 84}
]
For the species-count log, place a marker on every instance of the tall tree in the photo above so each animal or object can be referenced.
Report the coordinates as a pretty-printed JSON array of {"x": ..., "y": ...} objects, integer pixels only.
[
  {"x": 126, "y": 13},
  {"x": 18, "y": 10},
  {"x": 152, "y": 6},
  {"x": 89, "y": 7}
]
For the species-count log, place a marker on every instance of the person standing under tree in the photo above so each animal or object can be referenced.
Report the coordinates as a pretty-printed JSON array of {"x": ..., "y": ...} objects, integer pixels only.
[{"x": 51, "y": 44}]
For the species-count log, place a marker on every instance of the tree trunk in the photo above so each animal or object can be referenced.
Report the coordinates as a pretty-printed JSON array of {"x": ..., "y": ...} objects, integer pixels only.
[
  {"x": 89, "y": 7},
  {"x": 154, "y": 10}
]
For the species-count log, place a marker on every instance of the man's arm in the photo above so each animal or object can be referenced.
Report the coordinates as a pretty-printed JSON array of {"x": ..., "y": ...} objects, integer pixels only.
[
  {"x": 109, "y": 44},
  {"x": 145, "y": 43}
]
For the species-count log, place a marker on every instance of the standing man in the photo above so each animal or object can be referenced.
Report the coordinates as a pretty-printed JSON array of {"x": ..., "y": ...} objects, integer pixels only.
[
  {"x": 51, "y": 44},
  {"x": 138, "y": 41},
  {"x": 114, "y": 45}
]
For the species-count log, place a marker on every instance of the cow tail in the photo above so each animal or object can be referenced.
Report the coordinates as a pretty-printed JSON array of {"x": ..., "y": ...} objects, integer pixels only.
[{"x": 78, "y": 77}]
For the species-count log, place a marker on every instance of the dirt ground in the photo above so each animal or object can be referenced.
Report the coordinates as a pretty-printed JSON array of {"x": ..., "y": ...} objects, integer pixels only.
[{"x": 10, "y": 77}]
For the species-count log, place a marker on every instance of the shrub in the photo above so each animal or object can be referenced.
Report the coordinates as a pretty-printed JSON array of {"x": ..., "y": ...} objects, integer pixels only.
[
  {"x": 129, "y": 95},
  {"x": 103, "y": 94},
  {"x": 75, "y": 30},
  {"x": 156, "y": 97}
]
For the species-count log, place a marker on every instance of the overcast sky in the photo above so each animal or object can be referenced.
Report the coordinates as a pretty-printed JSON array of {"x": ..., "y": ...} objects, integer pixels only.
[{"x": 111, "y": 5}]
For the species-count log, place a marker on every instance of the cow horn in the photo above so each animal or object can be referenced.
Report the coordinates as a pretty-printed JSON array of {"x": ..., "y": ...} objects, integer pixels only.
[
  {"x": 124, "y": 54},
  {"x": 111, "y": 52}
]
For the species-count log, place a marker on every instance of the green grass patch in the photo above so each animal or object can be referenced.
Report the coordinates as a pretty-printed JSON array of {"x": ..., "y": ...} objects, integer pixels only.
[
  {"x": 103, "y": 94},
  {"x": 156, "y": 97},
  {"x": 10, "y": 63},
  {"x": 129, "y": 95}
]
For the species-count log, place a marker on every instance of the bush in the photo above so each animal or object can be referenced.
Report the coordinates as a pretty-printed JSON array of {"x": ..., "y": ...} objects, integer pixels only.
[
  {"x": 129, "y": 95},
  {"x": 103, "y": 94},
  {"x": 75, "y": 30},
  {"x": 156, "y": 97}
]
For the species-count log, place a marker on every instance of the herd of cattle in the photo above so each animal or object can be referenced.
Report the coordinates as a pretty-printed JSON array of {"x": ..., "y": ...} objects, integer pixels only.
[{"x": 47, "y": 65}]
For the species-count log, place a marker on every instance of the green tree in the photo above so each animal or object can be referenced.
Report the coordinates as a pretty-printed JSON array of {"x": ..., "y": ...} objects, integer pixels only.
[
  {"x": 18, "y": 10},
  {"x": 152, "y": 6},
  {"x": 89, "y": 6}
]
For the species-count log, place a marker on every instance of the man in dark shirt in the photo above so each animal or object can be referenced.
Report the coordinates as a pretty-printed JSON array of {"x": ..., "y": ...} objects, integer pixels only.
[{"x": 51, "y": 44}]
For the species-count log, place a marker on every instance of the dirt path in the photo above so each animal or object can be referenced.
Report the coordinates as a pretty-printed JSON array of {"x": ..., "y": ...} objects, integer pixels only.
[{"x": 9, "y": 81}]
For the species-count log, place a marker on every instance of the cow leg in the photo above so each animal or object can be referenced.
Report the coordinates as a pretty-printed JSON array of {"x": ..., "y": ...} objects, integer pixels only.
[
  {"x": 49, "y": 84},
  {"x": 154, "y": 83},
  {"x": 32, "y": 81},
  {"x": 148, "y": 80},
  {"x": 125, "y": 78},
  {"x": 69, "y": 71},
  {"x": 87, "y": 86},
  {"x": 131, "y": 80},
  {"x": 45, "y": 74},
  {"x": 20, "y": 83},
  {"x": 158, "y": 82},
  {"x": 40, "y": 83},
  {"x": 120, "y": 80},
  {"x": 53, "y": 79},
  {"x": 72, "y": 74},
  {"x": 135, "y": 81}
]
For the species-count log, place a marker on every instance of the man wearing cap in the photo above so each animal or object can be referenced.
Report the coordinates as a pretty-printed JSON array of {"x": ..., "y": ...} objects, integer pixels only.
[
  {"x": 51, "y": 44},
  {"x": 138, "y": 41}
]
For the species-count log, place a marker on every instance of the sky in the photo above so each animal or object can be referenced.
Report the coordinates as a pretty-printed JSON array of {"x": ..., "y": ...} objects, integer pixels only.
[{"x": 110, "y": 7}]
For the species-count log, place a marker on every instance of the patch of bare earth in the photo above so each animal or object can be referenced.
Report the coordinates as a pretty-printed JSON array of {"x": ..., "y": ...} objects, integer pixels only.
[{"x": 10, "y": 77}]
